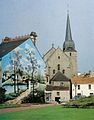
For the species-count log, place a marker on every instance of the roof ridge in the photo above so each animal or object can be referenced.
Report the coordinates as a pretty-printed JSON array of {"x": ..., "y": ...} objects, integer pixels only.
[
  {"x": 55, "y": 76},
  {"x": 50, "y": 55},
  {"x": 17, "y": 38},
  {"x": 48, "y": 51},
  {"x": 54, "y": 52}
]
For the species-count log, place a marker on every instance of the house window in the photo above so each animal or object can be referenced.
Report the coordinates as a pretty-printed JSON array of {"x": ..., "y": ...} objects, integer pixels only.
[
  {"x": 58, "y": 66},
  {"x": 89, "y": 86},
  {"x": 91, "y": 94},
  {"x": 58, "y": 93},
  {"x": 54, "y": 71},
  {"x": 58, "y": 57},
  {"x": 63, "y": 71},
  {"x": 79, "y": 94},
  {"x": 47, "y": 98},
  {"x": 78, "y": 87},
  {"x": 61, "y": 83},
  {"x": 70, "y": 54}
]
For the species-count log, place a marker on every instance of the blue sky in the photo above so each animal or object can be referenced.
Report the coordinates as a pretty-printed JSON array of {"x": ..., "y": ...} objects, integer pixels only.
[{"x": 48, "y": 19}]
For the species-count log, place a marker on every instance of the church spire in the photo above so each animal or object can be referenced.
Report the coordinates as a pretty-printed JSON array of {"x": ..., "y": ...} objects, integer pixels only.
[
  {"x": 68, "y": 29},
  {"x": 69, "y": 43}
]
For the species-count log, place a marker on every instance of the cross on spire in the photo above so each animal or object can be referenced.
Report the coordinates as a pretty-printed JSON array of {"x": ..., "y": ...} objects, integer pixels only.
[{"x": 68, "y": 8}]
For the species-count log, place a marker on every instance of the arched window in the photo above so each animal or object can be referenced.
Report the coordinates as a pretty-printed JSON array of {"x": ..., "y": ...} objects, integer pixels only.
[
  {"x": 47, "y": 79},
  {"x": 54, "y": 71},
  {"x": 58, "y": 66},
  {"x": 70, "y": 54},
  {"x": 58, "y": 57},
  {"x": 63, "y": 71}
]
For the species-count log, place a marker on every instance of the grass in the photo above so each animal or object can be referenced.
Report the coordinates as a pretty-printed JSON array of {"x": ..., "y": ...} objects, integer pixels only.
[{"x": 50, "y": 113}]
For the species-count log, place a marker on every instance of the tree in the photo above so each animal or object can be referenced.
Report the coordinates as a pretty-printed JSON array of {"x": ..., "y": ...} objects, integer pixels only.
[
  {"x": 31, "y": 67},
  {"x": 16, "y": 67}
]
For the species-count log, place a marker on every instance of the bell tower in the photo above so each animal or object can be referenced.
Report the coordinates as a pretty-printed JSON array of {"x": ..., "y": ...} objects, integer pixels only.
[{"x": 69, "y": 49}]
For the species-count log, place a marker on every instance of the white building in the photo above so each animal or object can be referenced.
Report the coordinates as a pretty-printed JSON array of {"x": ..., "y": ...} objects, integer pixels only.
[{"x": 82, "y": 86}]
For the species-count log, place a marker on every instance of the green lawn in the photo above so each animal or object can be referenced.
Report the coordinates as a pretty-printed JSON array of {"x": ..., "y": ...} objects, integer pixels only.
[{"x": 50, "y": 113}]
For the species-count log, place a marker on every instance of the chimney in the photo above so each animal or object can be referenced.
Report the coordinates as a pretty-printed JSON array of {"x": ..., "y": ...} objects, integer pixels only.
[{"x": 33, "y": 36}]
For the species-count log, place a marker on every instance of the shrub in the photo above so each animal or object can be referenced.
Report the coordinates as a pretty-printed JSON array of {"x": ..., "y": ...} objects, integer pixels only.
[
  {"x": 2, "y": 95},
  {"x": 39, "y": 98},
  {"x": 87, "y": 102}
]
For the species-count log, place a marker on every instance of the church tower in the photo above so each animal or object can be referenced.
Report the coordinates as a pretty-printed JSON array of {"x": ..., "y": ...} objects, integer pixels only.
[
  {"x": 69, "y": 48},
  {"x": 61, "y": 65},
  {"x": 64, "y": 61}
]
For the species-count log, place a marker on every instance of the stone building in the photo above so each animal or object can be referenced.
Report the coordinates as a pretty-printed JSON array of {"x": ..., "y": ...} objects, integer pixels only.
[
  {"x": 58, "y": 89},
  {"x": 62, "y": 60}
]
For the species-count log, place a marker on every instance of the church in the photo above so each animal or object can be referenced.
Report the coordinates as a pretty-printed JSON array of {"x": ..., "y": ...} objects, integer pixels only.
[{"x": 61, "y": 65}]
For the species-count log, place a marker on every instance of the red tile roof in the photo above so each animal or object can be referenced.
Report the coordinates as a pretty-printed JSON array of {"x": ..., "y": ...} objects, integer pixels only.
[{"x": 82, "y": 80}]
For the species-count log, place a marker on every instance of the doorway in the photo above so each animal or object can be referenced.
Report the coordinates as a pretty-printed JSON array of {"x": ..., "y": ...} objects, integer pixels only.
[{"x": 57, "y": 99}]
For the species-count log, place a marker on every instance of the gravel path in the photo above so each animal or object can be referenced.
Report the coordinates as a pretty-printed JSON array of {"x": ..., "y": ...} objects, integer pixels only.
[{"x": 24, "y": 107}]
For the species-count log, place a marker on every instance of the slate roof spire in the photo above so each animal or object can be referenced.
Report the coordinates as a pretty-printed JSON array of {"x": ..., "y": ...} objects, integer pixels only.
[
  {"x": 69, "y": 43},
  {"x": 68, "y": 29}
]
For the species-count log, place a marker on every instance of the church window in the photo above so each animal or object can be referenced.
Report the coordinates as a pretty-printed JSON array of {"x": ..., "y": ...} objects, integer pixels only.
[
  {"x": 58, "y": 57},
  {"x": 54, "y": 71},
  {"x": 47, "y": 79},
  {"x": 63, "y": 71},
  {"x": 70, "y": 54},
  {"x": 58, "y": 66}
]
